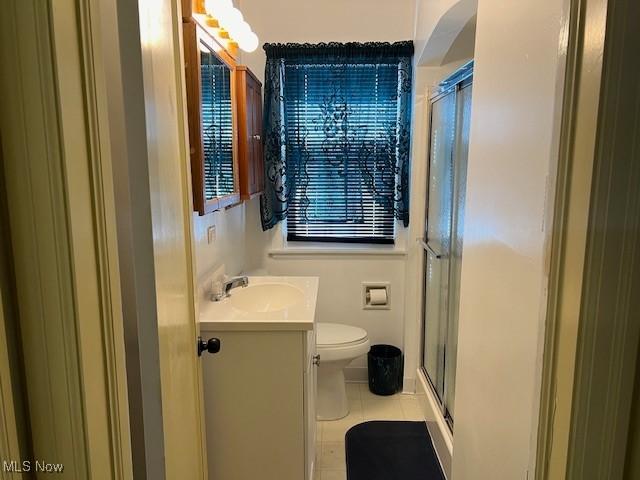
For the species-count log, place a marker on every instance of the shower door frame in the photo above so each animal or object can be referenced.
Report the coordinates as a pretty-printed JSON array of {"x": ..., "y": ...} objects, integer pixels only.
[{"x": 461, "y": 78}]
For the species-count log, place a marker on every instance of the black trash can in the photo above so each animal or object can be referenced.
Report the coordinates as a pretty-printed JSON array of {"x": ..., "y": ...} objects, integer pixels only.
[{"x": 385, "y": 369}]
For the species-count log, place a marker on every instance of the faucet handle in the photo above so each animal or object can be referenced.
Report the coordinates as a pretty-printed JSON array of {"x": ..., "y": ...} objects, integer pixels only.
[{"x": 216, "y": 288}]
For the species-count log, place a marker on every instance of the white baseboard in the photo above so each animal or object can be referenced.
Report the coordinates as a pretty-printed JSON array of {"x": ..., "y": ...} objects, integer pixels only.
[
  {"x": 361, "y": 375},
  {"x": 409, "y": 385}
]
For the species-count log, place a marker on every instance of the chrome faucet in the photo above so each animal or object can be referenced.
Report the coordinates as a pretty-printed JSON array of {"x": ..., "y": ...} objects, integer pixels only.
[{"x": 229, "y": 285}]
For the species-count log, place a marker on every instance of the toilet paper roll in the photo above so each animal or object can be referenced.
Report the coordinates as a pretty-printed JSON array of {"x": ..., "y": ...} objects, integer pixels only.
[{"x": 378, "y": 296}]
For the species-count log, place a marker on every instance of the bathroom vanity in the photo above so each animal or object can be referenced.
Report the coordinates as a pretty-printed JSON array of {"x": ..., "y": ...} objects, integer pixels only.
[{"x": 259, "y": 390}]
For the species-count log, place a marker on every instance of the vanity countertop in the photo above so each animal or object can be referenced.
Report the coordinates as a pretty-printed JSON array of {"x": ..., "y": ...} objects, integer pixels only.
[{"x": 267, "y": 303}]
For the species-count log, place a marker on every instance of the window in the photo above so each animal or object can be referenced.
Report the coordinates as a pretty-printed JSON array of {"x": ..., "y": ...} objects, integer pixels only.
[{"x": 337, "y": 142}]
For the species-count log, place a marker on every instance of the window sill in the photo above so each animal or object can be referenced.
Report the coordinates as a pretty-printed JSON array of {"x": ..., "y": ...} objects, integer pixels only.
[{"x": 337, "y": 251}]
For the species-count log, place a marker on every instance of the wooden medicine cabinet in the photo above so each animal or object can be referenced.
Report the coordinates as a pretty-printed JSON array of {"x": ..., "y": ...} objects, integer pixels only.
[
  {"x": 251, "y": 160},
  {"x": 224, "y": 103},
  {"x": 211, "y": 104}
]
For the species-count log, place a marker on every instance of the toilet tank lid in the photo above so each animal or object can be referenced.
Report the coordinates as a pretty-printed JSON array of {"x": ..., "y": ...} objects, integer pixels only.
[{"x": 338, "y": 334}]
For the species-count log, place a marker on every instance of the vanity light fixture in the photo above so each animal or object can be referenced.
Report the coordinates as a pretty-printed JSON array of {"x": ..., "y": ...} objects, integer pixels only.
[{"x": 230, "y": 20}]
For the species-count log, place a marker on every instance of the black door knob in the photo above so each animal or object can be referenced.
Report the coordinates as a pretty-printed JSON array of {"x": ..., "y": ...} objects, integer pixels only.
[{"x": 212, "y": 345}]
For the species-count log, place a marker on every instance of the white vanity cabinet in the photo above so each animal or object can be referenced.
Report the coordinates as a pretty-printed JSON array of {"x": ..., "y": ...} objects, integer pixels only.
[
  {"x": 259, "y": 397},
  {"x": 310, "y": 393}
]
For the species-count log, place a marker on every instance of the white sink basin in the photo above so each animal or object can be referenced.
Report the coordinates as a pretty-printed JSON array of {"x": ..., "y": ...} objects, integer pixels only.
[
  {"x": 268, "y": 303},
  {"x": 266, "y": 297}
]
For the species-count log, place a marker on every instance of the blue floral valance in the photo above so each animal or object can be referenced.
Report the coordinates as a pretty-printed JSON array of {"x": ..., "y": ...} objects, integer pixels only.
[{"x": 337, "y": 119}]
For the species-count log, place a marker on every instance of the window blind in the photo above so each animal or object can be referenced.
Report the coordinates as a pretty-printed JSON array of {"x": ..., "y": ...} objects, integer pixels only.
[
  {"x": 217, "y": 125},
  {"x": 340, "y": 128}
]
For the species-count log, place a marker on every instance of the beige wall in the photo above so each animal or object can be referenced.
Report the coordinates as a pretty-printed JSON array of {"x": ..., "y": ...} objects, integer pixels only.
[
  {"x": 516, "y": 103},
  {"x": 227, "y": 253},
  {"x": 437, "y": 24}
]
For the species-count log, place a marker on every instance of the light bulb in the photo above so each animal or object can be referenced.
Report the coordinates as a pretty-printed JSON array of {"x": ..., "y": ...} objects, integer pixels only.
[
  {"x": 244, "y": 30},
  {"x": 233, "y": 22},
  {"x": 221, "y": 9},
  {"x": 249, "y": 42},
  {"x": 243, "y": 37},
  {"x": 209, "y": 6},
  {"x": 213, "y": 7},
  {"x": 224, "y": 4},
  {"x": 238, "y": 32}
]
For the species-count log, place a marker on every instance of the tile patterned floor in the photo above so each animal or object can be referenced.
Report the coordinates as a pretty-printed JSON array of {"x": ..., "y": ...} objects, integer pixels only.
[{"x": 364, "y": 406}]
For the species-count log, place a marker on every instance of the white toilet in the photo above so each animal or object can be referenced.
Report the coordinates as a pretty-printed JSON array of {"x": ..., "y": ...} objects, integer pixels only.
[{"x": 338, "y": 345}]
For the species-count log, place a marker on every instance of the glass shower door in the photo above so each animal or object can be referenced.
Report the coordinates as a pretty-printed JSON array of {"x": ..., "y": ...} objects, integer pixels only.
[
  {"x": 461, "y": 154},
  {"x": 443, "y": 238},
  {"x": 438, "y": 237}
]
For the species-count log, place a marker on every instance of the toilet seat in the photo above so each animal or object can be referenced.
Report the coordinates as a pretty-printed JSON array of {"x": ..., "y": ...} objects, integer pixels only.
[
  {"x": 336, "y": 342},
  {"x": 328, "y": 334}
]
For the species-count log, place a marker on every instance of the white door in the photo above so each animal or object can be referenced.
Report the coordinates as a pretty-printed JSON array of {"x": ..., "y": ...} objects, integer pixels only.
[{"x": 181, "y": 379}]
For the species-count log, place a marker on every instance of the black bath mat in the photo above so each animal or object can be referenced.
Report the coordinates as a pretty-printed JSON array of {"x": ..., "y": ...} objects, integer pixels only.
[{"x": 391, "y": 451}]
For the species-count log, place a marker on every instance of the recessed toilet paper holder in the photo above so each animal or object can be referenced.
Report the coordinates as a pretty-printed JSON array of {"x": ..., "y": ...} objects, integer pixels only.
[{"x": 376, "y": 295}]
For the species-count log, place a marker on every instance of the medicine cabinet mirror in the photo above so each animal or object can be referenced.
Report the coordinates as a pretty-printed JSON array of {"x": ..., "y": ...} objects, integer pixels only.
[{"x": 210, "y": 77}]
